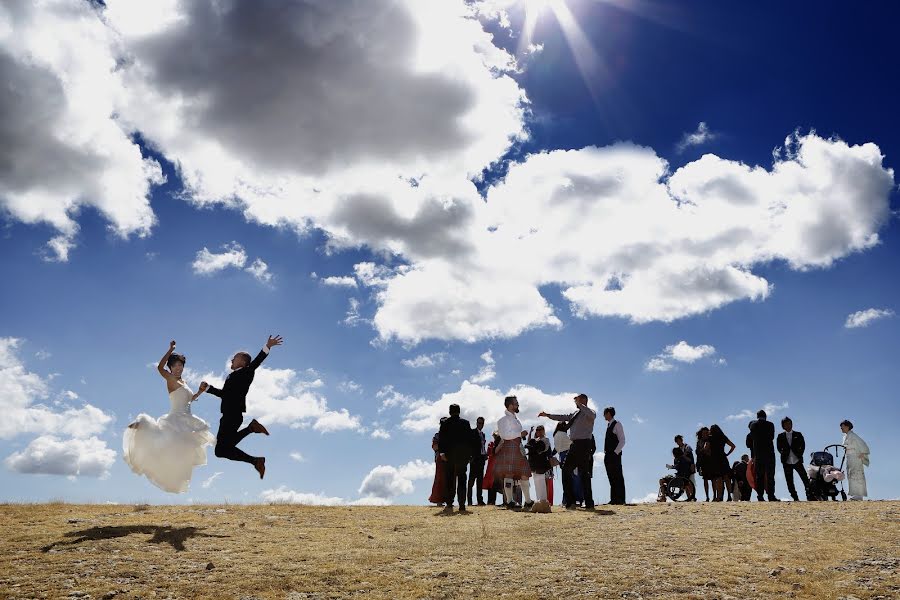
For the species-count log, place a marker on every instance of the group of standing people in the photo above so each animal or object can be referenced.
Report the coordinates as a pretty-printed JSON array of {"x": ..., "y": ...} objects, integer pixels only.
[
  {"x": 734, "y": 480},
  {"x": 516, "y": 456}
]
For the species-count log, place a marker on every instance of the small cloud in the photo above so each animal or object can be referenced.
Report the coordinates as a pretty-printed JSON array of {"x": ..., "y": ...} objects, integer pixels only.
[
  {"x": 350, "y": 386},
  {"x": 702, "y": 135},
  {"x": 864, "y": 318},
  {"x": 638, "y": 419},
  {"x": 681, "y": 352},
  {"x": 751, "y": 414},
  {"x": 391, "y": 398},
  {"x": 211, "y": 479},
  {"x": 260, "y": 271},
  {"x": 51, "y": 455},
  {"x": 42, "y": 355},
  {"x": 385, "y": 481},
  {"x": 424, "y": 360},
  {"x": 207, "y": 263},
  {"x": 348, "y": 282},
  {"x": 487, "y": 372},
  {"x": 297, "y": 456},
  {"x": 380, "y": 434},
  {"x": 646, "y": 499},
  {"x": 353, "y": 318}
]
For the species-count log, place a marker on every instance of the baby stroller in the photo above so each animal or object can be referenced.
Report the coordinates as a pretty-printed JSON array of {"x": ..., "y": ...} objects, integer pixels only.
[{"x": 823, "y": 474}]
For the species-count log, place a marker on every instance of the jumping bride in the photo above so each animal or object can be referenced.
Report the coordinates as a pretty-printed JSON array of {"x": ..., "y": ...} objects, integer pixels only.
[{"x": 167, "y": 449}]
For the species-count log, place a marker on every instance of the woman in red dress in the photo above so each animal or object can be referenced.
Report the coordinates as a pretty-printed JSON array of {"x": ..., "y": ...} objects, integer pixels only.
[{"x": 439, "y": 487}]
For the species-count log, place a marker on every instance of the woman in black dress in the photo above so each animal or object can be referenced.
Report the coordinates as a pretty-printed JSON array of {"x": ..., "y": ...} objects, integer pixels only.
[
  {"x": 719, "y": 467},
  {"x": 702, "y": 450}
]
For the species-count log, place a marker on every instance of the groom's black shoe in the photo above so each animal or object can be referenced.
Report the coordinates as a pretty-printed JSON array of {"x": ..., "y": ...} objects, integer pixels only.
[
  {"x": 257, "y": 427},
  {"x": 260, "y": 465}
]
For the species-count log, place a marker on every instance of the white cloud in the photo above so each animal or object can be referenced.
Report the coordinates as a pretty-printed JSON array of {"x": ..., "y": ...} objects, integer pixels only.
[
  {"x": 22, "y": 394},
  {"x": 42, "y": 355},
  {"x": 487, "y": 372},
  {"x": 350, "y": 386},
  {"x": 297, "y": 457},
  {"x": 281, "y": 397},
  {"x": 746, "y": 414},
  {"x": 386, "y": 482},
  {"x": 646, "y": 499},
  {"x": 380, "y": 434},
  {"x": 59, "y": 113},
  {"x": 614, "y": 229},
  {"x": 260, "y": 271},
  {"x": 864, "y": 318},
  {"x": 638, "y": 419},
  {"x": 232, "y": 256},
  {"x": 699, "y": 137},
  {"x": 424, "y": 360},
  {"x": 284, "y": 495},
  {"x": 390, "y": 398},
  {"x": 353, "y": 318},
  {"x": 480, "y": 401},
  {"x": 346, "y": 281},
  {"x": 51, "y": 455},
  {"x": 209, "y": 481},
  {"x": 680, "y": 352},
  {"x": 658, "y": 364}
]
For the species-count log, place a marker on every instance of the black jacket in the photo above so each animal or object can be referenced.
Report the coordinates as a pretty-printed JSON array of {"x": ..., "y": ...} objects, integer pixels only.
[
  {"x": 237, "y": 384},
  {"x": 762, "y": 434},
  {"x": 798, "y": 445},
  {"x": 457, "y": 440}
]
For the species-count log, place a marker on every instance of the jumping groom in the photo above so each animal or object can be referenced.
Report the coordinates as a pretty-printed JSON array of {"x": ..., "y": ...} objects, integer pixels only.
[{"x": 234, "y": 405}]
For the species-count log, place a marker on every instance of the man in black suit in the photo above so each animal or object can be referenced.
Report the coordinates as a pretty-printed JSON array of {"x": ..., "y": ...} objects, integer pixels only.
[
  {"x": 761, "y": 442},
  {"x": 456, "y": 444},
  {"x": 234, "y": 405},
  {"x": 476, "y": 471},
  {"x": 791, "y": 446}
]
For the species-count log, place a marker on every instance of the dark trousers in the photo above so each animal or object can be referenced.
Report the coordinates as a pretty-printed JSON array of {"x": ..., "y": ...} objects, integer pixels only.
[
  {"x": 476, "y": 475},
  {"x": 493, "y": 492},
  {"x": 789, "y": 478},
  {"x": 765, "y": 477},
  {"x": 456, "y": 482},
  {"x": 579, "y": 457},
  {"x": 613, "y": 463},
  {"x": 229, "y": 436}
]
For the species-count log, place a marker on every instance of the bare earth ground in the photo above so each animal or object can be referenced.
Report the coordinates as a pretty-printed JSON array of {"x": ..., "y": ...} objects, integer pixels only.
[{"x": 804, "y": 550}]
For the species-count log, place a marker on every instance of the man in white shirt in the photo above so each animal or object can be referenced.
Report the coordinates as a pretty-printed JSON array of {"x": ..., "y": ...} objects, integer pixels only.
[
  {"x": 612, "y": 456},
  {"x": 511, "y": 465}
]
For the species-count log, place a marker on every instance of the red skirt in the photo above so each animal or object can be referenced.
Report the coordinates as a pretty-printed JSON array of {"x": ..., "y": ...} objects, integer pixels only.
[
  {"x": 439, "y": 487},
  {"x": 511, "y": 463}
]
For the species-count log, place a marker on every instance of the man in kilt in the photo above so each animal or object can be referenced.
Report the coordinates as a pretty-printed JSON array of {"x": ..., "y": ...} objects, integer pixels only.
[{"x": 511, "y": 465}]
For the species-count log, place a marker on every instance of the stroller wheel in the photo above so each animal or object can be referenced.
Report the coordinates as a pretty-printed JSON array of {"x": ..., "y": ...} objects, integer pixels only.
[{"x": 843, "y": 495}]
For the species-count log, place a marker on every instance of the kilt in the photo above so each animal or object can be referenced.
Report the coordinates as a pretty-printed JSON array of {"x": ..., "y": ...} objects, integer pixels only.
[{"x": 511, "y": 462}]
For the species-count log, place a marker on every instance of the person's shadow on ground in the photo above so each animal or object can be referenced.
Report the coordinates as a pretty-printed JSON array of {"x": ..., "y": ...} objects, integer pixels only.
[{"x": 174, "y": 536}]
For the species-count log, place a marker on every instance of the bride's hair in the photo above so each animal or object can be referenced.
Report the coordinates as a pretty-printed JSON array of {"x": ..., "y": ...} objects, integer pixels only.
[{"x": 176, "y": 358}]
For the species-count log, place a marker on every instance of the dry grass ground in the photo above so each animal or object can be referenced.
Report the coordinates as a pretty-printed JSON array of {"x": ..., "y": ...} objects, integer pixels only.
[{"x": 803, "y": 550}]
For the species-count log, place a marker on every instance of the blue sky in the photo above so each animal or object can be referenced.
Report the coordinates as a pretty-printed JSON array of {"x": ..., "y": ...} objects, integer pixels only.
[{"x": 554, "y": 273}]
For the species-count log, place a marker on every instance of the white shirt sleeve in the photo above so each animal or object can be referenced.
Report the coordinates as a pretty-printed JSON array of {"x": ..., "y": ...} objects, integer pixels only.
[
  {"x": 620, "y": 433},
  {"x": 265, "y": 349}
]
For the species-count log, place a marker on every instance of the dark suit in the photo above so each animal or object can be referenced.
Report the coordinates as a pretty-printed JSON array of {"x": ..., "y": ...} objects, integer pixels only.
[
  {"x": 798, "y": 447},
  {"x": 760, "y": 441},
  {"x": 457, "y": 442},
  {"x": 233, "y": 406},
  {"x": 476, "y": 471}
]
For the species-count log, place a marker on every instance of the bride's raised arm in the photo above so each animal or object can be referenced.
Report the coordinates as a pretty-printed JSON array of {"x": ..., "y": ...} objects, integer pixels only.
[{"x": 161, "y": 367}]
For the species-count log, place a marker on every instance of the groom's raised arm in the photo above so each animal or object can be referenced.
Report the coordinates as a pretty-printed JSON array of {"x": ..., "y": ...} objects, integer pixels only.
[{"x": 270, "y": 343}]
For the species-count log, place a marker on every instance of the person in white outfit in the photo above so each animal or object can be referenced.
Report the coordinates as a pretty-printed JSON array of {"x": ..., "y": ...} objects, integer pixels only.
[
  {"x": 539, "y": 453},
  {"x": 857, "y": 461},
  {"x": 166, "y": 450}
]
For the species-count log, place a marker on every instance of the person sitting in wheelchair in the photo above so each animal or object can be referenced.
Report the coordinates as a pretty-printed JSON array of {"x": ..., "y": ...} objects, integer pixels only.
[{"x": 677, "y": 485}]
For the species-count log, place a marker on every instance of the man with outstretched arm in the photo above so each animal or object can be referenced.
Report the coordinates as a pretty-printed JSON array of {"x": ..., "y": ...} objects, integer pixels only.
[{"x": 581, "y": 452}]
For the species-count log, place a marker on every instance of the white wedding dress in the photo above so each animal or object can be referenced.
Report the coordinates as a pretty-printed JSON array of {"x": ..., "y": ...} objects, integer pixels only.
[{"x": 167, "y": 450}]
